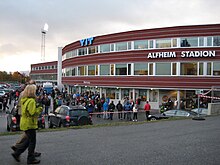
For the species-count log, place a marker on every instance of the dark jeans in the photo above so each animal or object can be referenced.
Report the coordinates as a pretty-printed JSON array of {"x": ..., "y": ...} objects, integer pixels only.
[
  {"x": 28, "y": 140},
  {"x": 147, "y": 114},
  {"x": 135, "y": 116},
  {"x": 119, "y": 114}
]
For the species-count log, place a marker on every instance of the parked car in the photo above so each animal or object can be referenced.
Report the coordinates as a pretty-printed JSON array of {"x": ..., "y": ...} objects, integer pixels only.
[
  {"x": 13, "y": 120},
  {"x": 2, "y": 93},
  {"x": 201, "y": 111},
  {"x": 157, "y": 117},
  {"x": 180, "y": 113},
  {"x": 69, "y": 116}
]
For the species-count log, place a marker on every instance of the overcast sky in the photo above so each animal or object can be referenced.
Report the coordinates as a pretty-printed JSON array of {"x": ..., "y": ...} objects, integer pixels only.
[{"x": 21, "y": 22}]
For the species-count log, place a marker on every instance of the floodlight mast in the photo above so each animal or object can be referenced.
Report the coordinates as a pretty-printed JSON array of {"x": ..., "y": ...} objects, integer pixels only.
[{"x": 43, "y": 32}]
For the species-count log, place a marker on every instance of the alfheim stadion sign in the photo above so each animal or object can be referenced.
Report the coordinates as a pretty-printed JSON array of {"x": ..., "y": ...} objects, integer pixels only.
[{"x": 183, "y": 54}]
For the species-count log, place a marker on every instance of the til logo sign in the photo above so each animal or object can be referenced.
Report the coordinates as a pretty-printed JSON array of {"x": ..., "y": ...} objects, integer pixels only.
[{"x": 87, "y": 41}]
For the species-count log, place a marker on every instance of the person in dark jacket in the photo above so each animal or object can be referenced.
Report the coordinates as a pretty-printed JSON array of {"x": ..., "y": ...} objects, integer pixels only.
[
  {"x": 111, "y": 110},
  {"x": 119, "y": 107}
]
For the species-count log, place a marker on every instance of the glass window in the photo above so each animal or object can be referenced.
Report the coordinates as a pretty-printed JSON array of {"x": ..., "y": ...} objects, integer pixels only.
[
  {"x": 110, "y": 93},
  {"x": 151, "y": 69},
  {"x": 163, "y": 68},
  {"x": 96, "y": 70},
  {"x": 104, "y": 48},
  {"x": 121, "y": 69},
  {"x": 209, "y": 41},
  {"x": 112, "y": 47},
  {"x": 81, "y": 70},
  {"x": 209, "y": 68},
  {"x": 200, "y": 68},
  {"x": 201, "y": 41},
  {"x": 153, "y": 96},
  {"x": 82, "y": 51},
  {"x": 68, "y": 71},
  {"x": 189, "y": 42},
  {"x": 188, "y": 68},
  {"x": 91, "y": 70},
  {"x": 73, "y": 71},
  {"x": 112, "y": 69},
  {"x": 93, "y": 49},
  {"x": 174, "y": 42},
  {"x": 129, "y": 69},
  {"x": 104, "y": 70},
  {"x": 121, "y": 46},
  {"x": 163, "y": 43},
  {"x": 173, "y": 68},
  {"x": 216, "y": 68},
  {"x": 124, "y": 93},
  {"x": 140, "y": 69},
  {"x": 143, "y": 94},
  {"x": 142, "y": 44},
  {"x": 216, "y": 41},
  {"x": 151, "y": 44},
  {"x": 129, "y": 45}
]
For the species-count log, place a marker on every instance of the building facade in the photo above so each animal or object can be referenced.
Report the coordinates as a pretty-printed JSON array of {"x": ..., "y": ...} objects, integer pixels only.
[
  {"x": 44, "y": 72},
  {"x": 152, "y": 64}
]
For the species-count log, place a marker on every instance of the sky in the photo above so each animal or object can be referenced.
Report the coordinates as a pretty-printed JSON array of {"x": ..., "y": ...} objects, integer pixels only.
[{"x": 21, "y": 22}]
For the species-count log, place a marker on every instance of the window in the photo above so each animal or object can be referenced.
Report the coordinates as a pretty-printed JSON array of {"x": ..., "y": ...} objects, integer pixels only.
[
  {"x": 91, "y": 70},
  {"x": 174, "y": 42},
  {"x": 151, "y": 44},
  {"x": 163, "y": 68},
  {"x": 216, "y": 41},
  {"x": 121, "y": 46},
  {"x": 173, "y": 68},
  {"x": 151, "y": 69},
  {"x": 73, "y": 70},
  {"x": 200, "y": 68},
  {"x": 81, "y": 70},
  {"x": 188, "y": 68},
  {"x": 143, "y": 94},
  {"x": 104, "y": 48},
  {"x": 104, "y": 70},
  {"x": 140, "y": 69},
  {"x": 153, "y": 96},
  {"x": 209, "y": 41},
  {"x": 189, "y": 42},
  {"x": 112, "y": 69},
  {"x": 82, "y": 51},
  {"x": 93, "y": 49},
  {"x": 163, "y": 43},
  {"x": 201, "y": 41},
  {"x": 209, "y": 68},
  {"x": 110, "y": 93},
  {"x": 216, "y": 68},
  {"x": 121, "y": 69},
  {"x": 129, "y": 69},
  {"x": 142, "y": 44}
]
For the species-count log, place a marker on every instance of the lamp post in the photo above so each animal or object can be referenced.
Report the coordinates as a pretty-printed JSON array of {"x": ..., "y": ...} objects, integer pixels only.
[{"x": 43, "y": 32}]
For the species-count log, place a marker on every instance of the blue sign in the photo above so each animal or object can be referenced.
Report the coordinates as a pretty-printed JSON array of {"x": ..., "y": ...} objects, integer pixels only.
[{"x": 87, "y": 41}]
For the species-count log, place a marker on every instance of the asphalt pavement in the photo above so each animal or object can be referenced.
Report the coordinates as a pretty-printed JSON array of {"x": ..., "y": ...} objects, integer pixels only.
[{"x": 182, "y": 142}]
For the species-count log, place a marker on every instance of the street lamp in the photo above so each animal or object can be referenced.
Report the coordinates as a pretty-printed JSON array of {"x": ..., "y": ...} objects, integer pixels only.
[{"x": 43, "y": 32}]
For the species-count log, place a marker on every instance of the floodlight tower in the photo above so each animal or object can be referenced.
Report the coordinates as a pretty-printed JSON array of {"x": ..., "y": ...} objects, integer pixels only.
[{"x": 43, "y": 32}]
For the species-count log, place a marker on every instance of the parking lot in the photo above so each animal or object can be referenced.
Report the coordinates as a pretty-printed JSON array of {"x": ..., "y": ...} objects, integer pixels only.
[{"x": 166, "y": 142}]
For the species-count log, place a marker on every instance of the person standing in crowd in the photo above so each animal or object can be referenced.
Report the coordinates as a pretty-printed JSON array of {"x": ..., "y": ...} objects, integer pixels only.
[
  {"x": 119, "y": 107},
  {"x": 46, "y": 103},
  {"x": 111, "y": 110},
  {"x": 99, "y": 108},
  {"x": 135, "y": 110},
  {"x": 105, "y": 110},
  {"x": 30, "y": 111},
  {"x": 147, "y": 109},
  {"x": 127, "y": 109}
]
